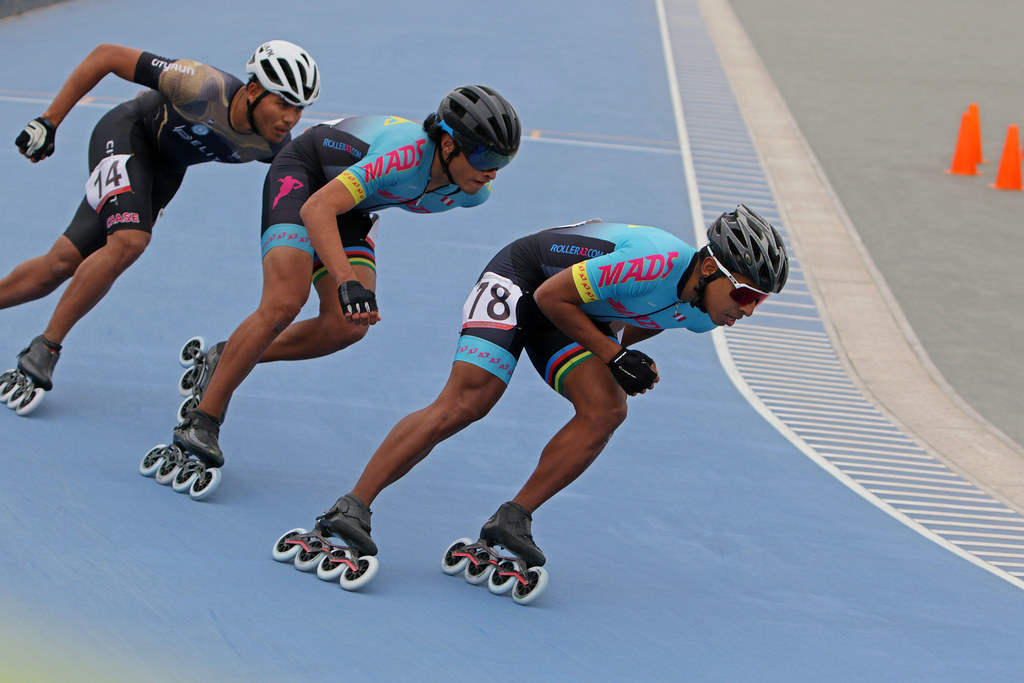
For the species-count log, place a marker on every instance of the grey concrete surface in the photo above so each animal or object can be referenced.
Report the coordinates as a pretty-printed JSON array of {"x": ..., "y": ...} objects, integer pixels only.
[
  {"x": 870, "y": 332},
  {"x": 877, "y": 88}
]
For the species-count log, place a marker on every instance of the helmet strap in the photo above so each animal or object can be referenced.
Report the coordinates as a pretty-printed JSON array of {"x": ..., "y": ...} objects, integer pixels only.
[
  {"x": 444, "y": 162},
  {"x": 248, "y": 113},
  {"x": 701, "y": 287}
]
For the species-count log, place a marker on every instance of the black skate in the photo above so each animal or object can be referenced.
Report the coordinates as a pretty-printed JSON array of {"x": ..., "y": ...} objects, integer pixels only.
[
  {"x": 352, "y": 566},
  {"x": 522, "y": 573},
  {"x": 200, "y": 366},
  {"x": 22, "y": 389},
  {"x": 197, "y": 436},
  {"x": 349, "y": 519},
  {"x": 192, "y": 463}
]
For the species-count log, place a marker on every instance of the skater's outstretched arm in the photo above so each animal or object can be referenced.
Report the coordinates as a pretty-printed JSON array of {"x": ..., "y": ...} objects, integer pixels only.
[{"x": 104, "y": 59}]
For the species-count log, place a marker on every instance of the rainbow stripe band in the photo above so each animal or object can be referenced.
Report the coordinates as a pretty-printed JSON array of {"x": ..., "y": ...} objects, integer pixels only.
[{"x": 562, "y": 362}]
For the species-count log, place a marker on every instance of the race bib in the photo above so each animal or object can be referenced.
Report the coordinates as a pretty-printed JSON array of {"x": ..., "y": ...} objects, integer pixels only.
[
  {"x": 110, "y": 177},
  {"x": 492, "y": 303}
]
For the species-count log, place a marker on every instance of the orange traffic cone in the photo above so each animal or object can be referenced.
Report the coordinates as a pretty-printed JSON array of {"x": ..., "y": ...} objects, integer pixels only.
[
  {"x": 1009, "y": 165},
  {"x": 972, "y": 109},
  {"x": 965, "y": 159}
]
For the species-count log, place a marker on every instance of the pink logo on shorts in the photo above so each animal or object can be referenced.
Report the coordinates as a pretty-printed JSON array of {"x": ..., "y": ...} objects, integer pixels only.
[{"x": 287, "y": 185}]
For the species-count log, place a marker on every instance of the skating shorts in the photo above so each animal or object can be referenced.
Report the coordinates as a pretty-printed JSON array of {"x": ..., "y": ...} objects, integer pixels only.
[
  {"x": 129, "y": 182},
  {"x": 500, "y": 319},
  {"x": 293, "y": 177}
]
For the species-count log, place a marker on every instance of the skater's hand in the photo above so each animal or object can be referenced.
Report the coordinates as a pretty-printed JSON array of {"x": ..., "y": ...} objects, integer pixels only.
[
  {"x": 36, "y": 141},
  {"x": 358, "y": 303},
  {"x": 634, "y": 371}
]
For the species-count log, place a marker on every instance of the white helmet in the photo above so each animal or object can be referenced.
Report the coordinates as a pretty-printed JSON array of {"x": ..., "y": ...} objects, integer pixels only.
[{"x": 287, "y": 70}]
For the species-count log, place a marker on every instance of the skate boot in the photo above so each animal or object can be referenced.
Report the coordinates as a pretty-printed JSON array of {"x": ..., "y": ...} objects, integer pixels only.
[
  {"x": 349, "y": 519},
  {"x": 510, "y": 527},
  {"x": 22, "y": 389},
  {"x": 197, "y": 435},
  {"x": 38, "y": 361}
]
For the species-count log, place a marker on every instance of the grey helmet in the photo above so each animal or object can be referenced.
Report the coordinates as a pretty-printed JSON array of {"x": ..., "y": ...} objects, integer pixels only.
[
  {"x": 747, "y": 244},
  {"x": 478, "y": 116}
]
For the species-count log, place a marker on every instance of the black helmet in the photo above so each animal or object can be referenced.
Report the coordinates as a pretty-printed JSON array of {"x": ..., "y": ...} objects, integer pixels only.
[
  {"x": 747, "y": 244},
  {"x": 481, "y": 120}
]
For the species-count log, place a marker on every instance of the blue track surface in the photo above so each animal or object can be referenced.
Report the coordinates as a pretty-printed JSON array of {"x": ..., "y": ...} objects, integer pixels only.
[{"x": 701, "y": 546}]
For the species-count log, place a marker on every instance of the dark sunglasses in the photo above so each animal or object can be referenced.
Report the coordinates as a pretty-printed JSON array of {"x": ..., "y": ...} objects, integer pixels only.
[{"x": 742, "y": 294}]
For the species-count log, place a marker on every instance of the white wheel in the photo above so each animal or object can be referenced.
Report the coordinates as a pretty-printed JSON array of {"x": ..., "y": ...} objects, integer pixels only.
[
  {"x": 187, "y": 405},
  {"x": 330, "y": 568},
  {"x": 10, "y": 383},
  {"x": 205, "y": 484},
  {"x": 166, "y": 472},
  {"x": 21, "y": 389},
  {"x": 307, "y": 560},
  {"x": 191, "y": 350},
  {"x": 478, "y": 572},
  {"x": 29, "y": 402},
  {"x": 536, "y": 582},
  {"x": 499, "y": 583},
  {"x": 453, "y": 565},
  {"x": 185, "y": 477},
  {"x": 152, "y": 460},
  {"x": 353, "y": 580},
  {"x": 283, "y": 550},
  {"x": 189, "y": 379}
]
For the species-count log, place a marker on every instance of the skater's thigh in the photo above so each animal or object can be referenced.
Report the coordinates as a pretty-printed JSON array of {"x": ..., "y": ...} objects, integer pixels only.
[
  {"x": 64, "y": 255},
  {"x": 286, "y": 276}
]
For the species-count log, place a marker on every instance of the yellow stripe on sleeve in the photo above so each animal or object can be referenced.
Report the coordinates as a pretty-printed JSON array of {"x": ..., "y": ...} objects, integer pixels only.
[
  {"x": 355, "y": 187},
  {"x": 583, "y": 287}
]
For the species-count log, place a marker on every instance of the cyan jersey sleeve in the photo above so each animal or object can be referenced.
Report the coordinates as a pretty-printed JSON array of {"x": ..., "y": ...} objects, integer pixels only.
[{"x": 395, "y": 156}]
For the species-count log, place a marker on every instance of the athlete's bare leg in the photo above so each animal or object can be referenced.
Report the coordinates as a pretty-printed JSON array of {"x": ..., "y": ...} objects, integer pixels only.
[
  {"x": 35, "y": 278},
  {"x": 469, "y": 394},
  {"x": 330, "y": 331},
  {"x": 285, "y": 290},
  {"x": 93, "y": 279},
  {"x": 600, "y": 406}
]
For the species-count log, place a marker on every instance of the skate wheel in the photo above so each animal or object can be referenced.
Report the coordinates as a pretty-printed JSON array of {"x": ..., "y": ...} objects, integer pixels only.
[
  {"x": 22, "y": 387},
  {"x": 503, "y": 578},
  {"x": 332, "y": 565},
  {"x": 9, "y": 384},
  {"x": 283, "y": 550},
  {"x": 186, "y": 406},
  {"x": 205, "y": 484},
  {"x": 189, "y": 380},
  {"x": 152, "y": 460},
  {"x": 184, "y": 477},
  {"x": 479, "y": 570},
  {"x": 452, "y": 565},
  {"x": 366, "y": 569},
  {"x": 29, "y": 402},
  {"x": 306, "y": 560},
  {"x": 191, "y": 350},
  {"x": 167, "y": 471},
  {"x": 536, "y": 582}
]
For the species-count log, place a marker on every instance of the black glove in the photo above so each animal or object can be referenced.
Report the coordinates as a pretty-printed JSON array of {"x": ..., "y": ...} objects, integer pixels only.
[
  {"x": 632, "y": 370},
  {"x": 355, "y": 298},
  {"x": 36, "y": 141}
]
